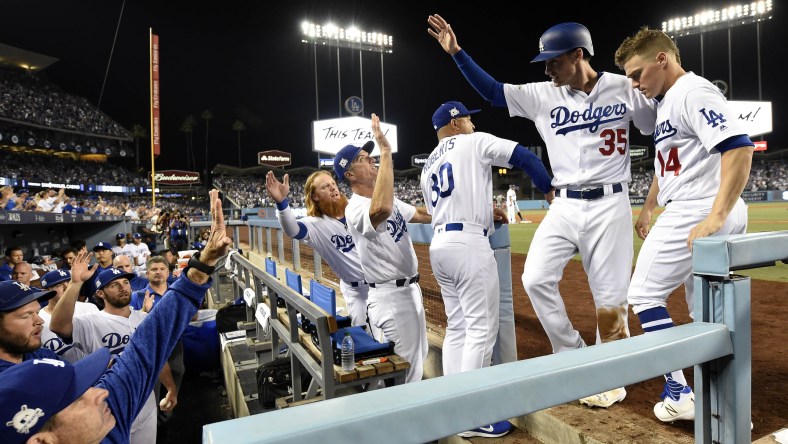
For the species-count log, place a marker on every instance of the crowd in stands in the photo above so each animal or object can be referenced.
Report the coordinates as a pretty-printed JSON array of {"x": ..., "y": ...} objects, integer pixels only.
[
  {"x": 29, "y": 97},
  {"x": 45, "y": 168},
  {"x": 249, "y": 191}
]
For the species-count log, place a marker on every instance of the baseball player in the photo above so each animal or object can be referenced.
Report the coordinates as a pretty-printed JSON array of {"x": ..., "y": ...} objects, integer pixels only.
[
  {"x": 138, "y": 252},
  {"x": 111, "y": 328},
  {"x": 583, "y": 116},
  {"x": 702, "y": 163},
  {"x": 58, "y": 281},
  {"x": 512, "y": 207},
  {"x": 378, "y": 223},
  {"x": 324, "y": 230},
  {"x": 456, "y": 181}
]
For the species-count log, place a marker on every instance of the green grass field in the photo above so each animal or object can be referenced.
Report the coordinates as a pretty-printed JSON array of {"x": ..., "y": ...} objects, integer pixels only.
[{"x": 762, "y": 217}]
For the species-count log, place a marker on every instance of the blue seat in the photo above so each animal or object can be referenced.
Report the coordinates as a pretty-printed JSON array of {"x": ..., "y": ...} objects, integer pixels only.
[
  {"x": 364, "y": 345},
  {"x": 270, "y": 267},
  {"x": 293, "y": 281},
  {"x": 326, "y": 298}
]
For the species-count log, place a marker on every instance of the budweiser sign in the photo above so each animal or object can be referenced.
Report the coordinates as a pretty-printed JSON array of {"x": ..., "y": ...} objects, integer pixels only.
[
  {"x": 274, "y": 158},
  {"x": 176, "y": 177}
]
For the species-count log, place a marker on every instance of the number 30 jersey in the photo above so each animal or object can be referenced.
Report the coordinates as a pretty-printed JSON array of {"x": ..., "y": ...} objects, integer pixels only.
[
  {"x": 456, "y": 179},
  {"x": 692, "y": 119}
]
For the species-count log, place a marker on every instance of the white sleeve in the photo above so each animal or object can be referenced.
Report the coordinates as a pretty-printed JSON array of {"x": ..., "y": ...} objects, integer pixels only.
[{"x": 289, "y": 224}]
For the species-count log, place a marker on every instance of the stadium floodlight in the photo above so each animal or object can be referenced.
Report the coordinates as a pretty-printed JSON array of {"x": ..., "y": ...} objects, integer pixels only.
[
  {"x": 354, "y": 38},
  {"x": 725, "y": 18}
]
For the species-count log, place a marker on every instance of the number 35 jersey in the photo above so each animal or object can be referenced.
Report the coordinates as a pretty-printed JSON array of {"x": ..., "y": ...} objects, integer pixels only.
[
  {"x": 692, "y": 119},
  {"x": 456, "y": 179}
]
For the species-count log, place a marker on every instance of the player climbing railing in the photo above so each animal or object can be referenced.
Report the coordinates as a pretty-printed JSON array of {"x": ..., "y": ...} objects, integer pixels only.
[{"x": 717, "y": 343}]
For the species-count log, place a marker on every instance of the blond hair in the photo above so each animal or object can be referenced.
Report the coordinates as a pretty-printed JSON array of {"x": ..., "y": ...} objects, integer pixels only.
[{"x": 646, "y": 43}]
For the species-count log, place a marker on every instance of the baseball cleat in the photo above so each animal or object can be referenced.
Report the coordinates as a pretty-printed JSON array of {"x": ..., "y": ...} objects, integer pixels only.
[
  {"x": 489, "y": 431},
  {"x": 669, "y": 409},
  {"x": 605, "y": 399}
]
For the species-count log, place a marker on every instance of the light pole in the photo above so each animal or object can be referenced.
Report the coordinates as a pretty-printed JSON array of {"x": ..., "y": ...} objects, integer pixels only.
[
  {"x": 726, "y": 18},
  {"x": 332, "y": 36}
]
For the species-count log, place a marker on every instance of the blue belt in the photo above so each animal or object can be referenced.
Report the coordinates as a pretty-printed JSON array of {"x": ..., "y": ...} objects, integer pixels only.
[
  {"x": 399, "y": 282},
  {"x": 457, "y": 226},
  {"x": 594, "y": 193}
]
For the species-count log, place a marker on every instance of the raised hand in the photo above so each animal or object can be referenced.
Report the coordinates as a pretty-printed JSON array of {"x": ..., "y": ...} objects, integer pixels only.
[
  {"x": 277, "y": 190},
  {"x": 218, "y": 244},
  {"x": 79, "y": 268},
  {"x": 441, "y": 31},
  {"x": 147, "y": 304},
  {"x": 380, "y": 138}
]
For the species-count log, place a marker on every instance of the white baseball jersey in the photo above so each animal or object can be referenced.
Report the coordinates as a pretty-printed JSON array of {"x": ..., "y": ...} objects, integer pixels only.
[
  {"x": 456, "y": 179},
  {"x": 511, "y": 198},
  {"x": 586, "y": 135},
  {"x": 68, "y": 352},
  {"x": 101, "y": 329},
  {"x": 331, "y": 239},
  {"x": 386, "y": 251},
  {"x": 138, "y": 253},
  {"x": 692, "y": 119}
]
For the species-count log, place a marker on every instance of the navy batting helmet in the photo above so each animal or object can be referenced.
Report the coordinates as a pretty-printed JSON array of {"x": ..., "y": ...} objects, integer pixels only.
[{"x": 563, "y": 38}]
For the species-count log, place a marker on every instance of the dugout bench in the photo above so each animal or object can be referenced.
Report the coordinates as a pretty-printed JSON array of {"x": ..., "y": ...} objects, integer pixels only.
[{"x": 273, "y": 330}]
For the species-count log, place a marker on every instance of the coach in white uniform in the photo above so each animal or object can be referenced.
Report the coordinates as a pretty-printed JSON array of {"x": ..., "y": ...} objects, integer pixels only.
[
  {"x": 702, "y": 163},
  {"x": 584, "y": 118},
  {"x": 378, "y": 223},
  {"x": 325, "y": 230},
  {"x": 456, "y": 181}
]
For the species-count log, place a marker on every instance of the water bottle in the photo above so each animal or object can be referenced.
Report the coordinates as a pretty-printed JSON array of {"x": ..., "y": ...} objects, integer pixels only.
[{"x": 348, "y": 353}]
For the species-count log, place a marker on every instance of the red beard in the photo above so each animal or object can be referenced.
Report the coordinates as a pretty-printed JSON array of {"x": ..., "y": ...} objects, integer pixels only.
[{"x": 333, "y": 208}]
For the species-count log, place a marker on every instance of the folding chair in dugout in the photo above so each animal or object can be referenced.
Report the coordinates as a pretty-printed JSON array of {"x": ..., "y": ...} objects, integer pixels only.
[{"x": 326, "y": 298}]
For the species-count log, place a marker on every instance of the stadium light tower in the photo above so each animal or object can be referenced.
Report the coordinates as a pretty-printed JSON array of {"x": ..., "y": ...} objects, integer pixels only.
[
  {"x": 331, "y": 35},
  {"x": 725, "y": 18}
]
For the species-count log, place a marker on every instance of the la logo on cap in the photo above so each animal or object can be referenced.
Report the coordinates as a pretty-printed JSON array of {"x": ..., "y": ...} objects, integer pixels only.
[
  {"x": 454, "y": 111},
  {"x": 22, "y": 286}
]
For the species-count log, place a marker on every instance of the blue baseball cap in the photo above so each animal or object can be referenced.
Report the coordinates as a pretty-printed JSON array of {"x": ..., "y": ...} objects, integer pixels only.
[
  {"x": 346, "y": 155},
  {"x": 136, "y": 236},
  {"x": 15, "y": 294},
  {"x": 23, "y": 190},
  {"x": 54, "y": 277},
  {"x": 28, "y": 404},
  {"x": 109, "y": 275},
  {"x": 120, "y": 236},
  {"x": 448, "y": 111},
  {"x": 102, "y": 246}
]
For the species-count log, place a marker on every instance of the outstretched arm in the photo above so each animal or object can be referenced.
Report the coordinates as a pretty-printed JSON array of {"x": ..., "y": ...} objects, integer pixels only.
[
  {"x": 524, "y": 159},
  {"x": 61, "y": 322},
  {"x": 278, "y": 192},
  {"x": 490, "y": 89},
  {"x": 383, "y": 194}
]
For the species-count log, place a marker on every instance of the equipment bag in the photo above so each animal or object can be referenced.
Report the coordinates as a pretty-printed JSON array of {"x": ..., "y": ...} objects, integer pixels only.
[{"x": 274, "y": 381}]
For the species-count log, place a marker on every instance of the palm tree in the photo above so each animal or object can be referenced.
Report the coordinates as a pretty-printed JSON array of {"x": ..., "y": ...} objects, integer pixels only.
[
  {"x": 239, "y": 126},
  {"x": 138, "y": 132},
  {"x": 207, "y": 115},
  {"x": 187, "y": 127}
]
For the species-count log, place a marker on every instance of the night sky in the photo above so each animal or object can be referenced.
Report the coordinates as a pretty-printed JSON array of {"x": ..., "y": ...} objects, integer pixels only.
[{"x": 245, "y": 60}]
